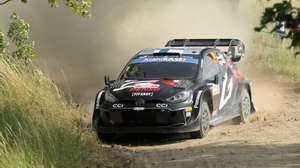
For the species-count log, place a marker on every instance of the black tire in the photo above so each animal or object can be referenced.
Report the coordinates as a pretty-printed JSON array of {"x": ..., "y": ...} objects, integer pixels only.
[
  {"x": 105, "y": 137},
  {"x": 245, "y": 108},
  {"x": 95, "y": 120},
  {"x": 204, "y": 119}
]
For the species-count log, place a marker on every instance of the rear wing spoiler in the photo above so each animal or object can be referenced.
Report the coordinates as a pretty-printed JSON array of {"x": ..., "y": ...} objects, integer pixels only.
[
  {"x": 203, "y": 42},
  {"x": 236, "y": 48}
]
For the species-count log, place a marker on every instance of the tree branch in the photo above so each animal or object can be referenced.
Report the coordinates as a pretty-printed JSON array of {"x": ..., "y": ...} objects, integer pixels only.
[{"x": 4, "y": 2}]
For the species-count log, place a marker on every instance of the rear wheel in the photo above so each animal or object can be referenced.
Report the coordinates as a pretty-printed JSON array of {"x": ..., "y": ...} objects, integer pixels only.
[
  {"x": 204, "y": 119},
  {"x": 245, "y": 108}
]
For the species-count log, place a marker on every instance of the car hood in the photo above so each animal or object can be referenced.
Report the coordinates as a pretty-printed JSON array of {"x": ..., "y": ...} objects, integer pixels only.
[{"x": 148, "y": 89}]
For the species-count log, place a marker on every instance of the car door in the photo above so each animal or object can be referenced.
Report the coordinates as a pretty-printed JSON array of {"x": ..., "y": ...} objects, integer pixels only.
[
  {"x": 212, "y": 73},
  {"x": 228, "y": 88}
]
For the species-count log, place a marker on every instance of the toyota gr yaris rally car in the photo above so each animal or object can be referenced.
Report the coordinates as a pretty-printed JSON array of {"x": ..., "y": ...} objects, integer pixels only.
[{"x": 185, "y": 87}]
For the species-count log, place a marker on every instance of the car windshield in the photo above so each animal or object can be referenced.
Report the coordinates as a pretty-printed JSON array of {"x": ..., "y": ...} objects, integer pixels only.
[{"x": 161, "y": 67}]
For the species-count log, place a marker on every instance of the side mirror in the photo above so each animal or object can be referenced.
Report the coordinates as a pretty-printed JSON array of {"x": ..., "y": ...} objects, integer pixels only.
[
  {"x": 237, "y": 53},
  {"x": 236, "y": 58},
  {"x": 107, "y": 80}
]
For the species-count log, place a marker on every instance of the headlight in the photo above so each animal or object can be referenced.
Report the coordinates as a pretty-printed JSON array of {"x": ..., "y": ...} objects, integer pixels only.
[
  {"x": 109, "y": 97},
  {"x": 180, "y": 97}
]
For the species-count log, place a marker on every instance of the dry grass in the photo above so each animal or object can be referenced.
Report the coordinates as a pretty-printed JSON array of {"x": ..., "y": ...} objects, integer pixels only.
[
  {"x": 38, "y": 128},
  {"x": 271, "y": 54}
]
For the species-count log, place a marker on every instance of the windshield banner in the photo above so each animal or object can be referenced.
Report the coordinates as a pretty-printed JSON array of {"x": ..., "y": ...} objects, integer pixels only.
[{"x": 164, "y": 59}]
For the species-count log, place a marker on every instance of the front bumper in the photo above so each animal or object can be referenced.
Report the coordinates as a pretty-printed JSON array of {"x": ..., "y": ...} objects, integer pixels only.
[
  {"x": 182, "y": 128},
  {"x": 147, "y": 121}
]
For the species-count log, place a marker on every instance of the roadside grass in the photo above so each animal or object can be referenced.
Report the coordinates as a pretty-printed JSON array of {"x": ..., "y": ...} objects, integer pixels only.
[
  {"x": 270, "y": 53},
  {"x": 38, "y": 127}
]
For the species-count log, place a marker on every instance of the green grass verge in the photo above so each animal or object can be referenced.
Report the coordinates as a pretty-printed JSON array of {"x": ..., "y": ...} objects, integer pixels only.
[
  {"x": 38, "y": 128},
  {"x": 269, "y": 53}
]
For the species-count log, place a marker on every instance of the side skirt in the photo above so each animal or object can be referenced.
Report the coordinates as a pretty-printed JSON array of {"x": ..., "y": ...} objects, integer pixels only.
[
  {"x": 233, "y": 112},
  {"x": 222, "y": 119}
]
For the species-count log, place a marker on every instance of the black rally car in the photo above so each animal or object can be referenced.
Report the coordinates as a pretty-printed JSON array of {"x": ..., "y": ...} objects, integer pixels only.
[{"x": 185, "y": 87}]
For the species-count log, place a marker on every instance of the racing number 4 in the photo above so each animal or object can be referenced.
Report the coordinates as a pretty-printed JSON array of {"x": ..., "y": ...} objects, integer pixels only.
[{"x": 227, "y": 86}]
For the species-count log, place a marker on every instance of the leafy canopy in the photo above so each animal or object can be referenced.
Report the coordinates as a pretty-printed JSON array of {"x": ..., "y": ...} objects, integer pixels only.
[
  {"x": 284, "y": 11},
  {"x": 19, "y": 30},
  {"x": 80, "y": 7},
  {"x": 22, "y": 47}
]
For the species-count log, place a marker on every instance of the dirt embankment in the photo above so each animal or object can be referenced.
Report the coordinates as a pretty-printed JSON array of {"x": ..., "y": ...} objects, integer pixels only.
[{"x": 272, "y": 139}]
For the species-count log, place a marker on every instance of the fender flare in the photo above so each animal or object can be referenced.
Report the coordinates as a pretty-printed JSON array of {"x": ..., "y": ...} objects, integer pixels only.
[
  {"x": 96, "y": 113},
  {"x": 99, "y": 99},
  {"x": 203, "y": 93}
]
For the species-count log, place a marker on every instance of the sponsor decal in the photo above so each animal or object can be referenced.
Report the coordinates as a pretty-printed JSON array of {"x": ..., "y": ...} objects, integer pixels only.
[
  {"x": 118, "y": 105},
  {"x": 140, "y": 86},
  {"x": 162, "y": 105},
  {"x": 197, "y": 101},
  {"x": 170, "y": 82},
  {"x": 169, "y": 50},
  {"x": 150, "y": 89},
  {"x": 227, "y": 86},
  {"x": 135, "y": 94},
  {"x": 164, "y": 59},
  {"x": 146, "y": 87}
]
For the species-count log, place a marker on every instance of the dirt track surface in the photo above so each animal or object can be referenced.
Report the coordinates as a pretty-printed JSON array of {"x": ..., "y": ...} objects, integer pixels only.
[{"x": 271, "y": 139}]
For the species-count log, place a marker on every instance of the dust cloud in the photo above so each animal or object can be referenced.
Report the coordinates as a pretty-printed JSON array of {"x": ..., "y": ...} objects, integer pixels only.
[{"x": 76, "y": 53}]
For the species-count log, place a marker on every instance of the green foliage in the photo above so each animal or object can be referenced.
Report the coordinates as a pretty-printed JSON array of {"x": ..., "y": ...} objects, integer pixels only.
[
  {"x": 286, "y": 12},
  {"x": 2, "y": 43},
  {"x": 18, "y": 30},
  {"x": 80, "y": 7},
  {"x": 19, "y": 35},
  {"x": 54, "y": 3}
]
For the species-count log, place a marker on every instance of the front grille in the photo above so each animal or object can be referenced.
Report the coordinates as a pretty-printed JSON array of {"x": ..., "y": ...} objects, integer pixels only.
[
  {"x": 146, "y": 118},
  {"x": 133, "y": 102},
  {"x": 139, "y": 117},
  {"x": 127, "y": 101},
  {"x": 153, "y": 101}
]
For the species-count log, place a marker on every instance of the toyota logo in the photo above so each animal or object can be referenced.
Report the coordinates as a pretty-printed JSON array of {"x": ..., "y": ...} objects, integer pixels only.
[{"x": 140, "y": 102}]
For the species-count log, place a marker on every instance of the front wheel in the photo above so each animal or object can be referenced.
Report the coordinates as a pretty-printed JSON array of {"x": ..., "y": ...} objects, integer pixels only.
[
  {"x": 204, "y": 119},
  {"x": 106, "y": 137}
]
